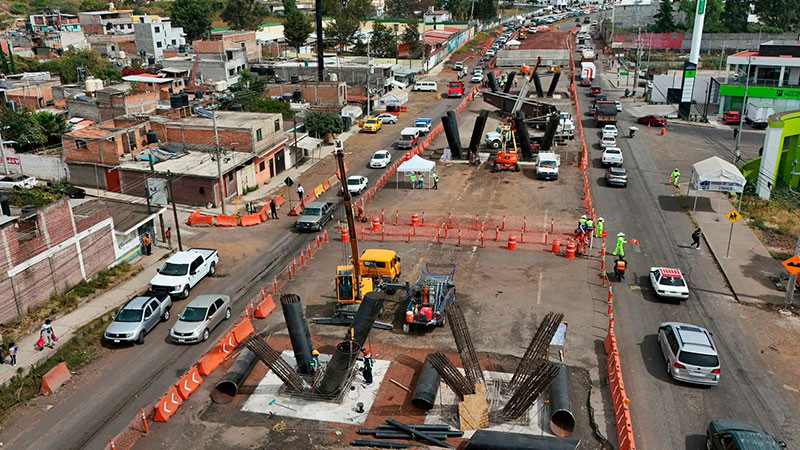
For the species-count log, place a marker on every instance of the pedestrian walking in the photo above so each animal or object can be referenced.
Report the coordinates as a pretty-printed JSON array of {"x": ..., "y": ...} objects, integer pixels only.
[
  {"x": 413, "y": 181},
  {"x": 273, "y": 209},
  {"x": 673, "y": 177},
  {"x": 366, "y": 371},
  {"x": 735, "y": 133},
  {"x": 435, "y": 181},
  {"x": 620, "y": 245},
  {"x": 148, "y": 244},
  {"x": 696, "y": 238},
  {"x": 300, "y": 192},
  {"x": 421, "y": 181},
  {"x": 598, "y": 230},
  {"x": 168, "y": 235},
  {"x": 314, "y": 363},
  {"x": 2, "y": 359},
  {"x": 47, "y": 334},
  {"x": 12, "y": 352}
]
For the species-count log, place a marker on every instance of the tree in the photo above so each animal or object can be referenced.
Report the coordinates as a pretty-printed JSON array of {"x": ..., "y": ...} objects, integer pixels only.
[
  {"x": 783, "y": 14},
  {"x": 383, "y": 42},
  {"x": 289, "y": 5},
  {"x": 53, "y": 125},
  {"x": 245, "y": 14},
  {"x": 20, "y": 8},
  {"x": 93, "y": 5},
  {"x": 712, "y": 22},
  {"x": 664, "y": 23},
  {"x": 346, "y": 21},
  {"x": 22, "y": 127},
  {"x": 5, "y": 20},
  {"x": 734, "y": 15},
  {"x": 193, "y": 15},
  {"x": 94, "y": 64},
  {"x": 411, "y": 36},
  {"x": 296, "y": 29},
  {"x": 485, "y": 9},
  {"x": 320, "y": 124}
]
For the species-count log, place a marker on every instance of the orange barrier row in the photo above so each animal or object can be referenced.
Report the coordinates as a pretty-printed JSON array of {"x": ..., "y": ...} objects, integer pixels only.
[
  {"x": 196, "y": 219},
  {"x": 227, "y": 221},
  {"x": 168, "y": 405},
  {"x": 189, "y": 383}
]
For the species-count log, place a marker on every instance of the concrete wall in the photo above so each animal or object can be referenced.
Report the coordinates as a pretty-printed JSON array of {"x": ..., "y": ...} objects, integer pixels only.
[
  {"x": 87, "y": 110},
  {"x": 518, "y": 58},
  {"x": 88, "y": 175},
  {"x": 734, "y": 41},
  {"x": 43, "y": 167}
]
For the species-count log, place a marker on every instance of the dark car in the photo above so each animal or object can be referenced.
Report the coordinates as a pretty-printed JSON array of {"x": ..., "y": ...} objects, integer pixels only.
[
  {"x": 602, "y": 97},
  {"x": 732, "y": 118},
  {"x": 586, "y": 82},
  {"x": 652, "y": 120},
  {"x": 616, "y": 176},
  {"x": 735, "y": 435},
  {"x": 595, "y": 91}
]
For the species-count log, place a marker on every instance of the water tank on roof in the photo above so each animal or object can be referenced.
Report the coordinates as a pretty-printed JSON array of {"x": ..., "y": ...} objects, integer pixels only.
[
  {"x": 184, "y": 99},
  {"x": 287, "y": 97},
  {"x": 270, "y": 71},
  {"x": 297, "y": 95},
  {"x": 295, "y": 79},
  {"x": 175, "y": 101},
  {"x": 152, "y": 137},
  {"x": 93, "y": 84},
  {"x": 220, "y": 86},
  {"x": 121, "y": 54}
]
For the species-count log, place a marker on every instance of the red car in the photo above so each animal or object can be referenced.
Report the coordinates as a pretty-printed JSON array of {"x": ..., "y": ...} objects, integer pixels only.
[
  {"x": 595, "y": 91},
  {"x": 586, "y": 82},
  {"x": 652, "y": 120},
  {"x": 731, "y": 118}
]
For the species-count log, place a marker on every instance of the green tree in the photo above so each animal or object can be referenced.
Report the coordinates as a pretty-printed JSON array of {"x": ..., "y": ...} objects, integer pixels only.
[
  {"x": 289, "y": 5},
  {"x": 5, "y": 20},
  {"x": 383, "y": 42},
  {"x": 20, "y": 8},
  {"x": 53, "y": 125},
  {"x": 245, "y": 14},
  {"x": 784, "y": 14},
  {"x": 296, "y": 29},
  {"x": 346, "y": 22},
  {"x": 664, "y": 22},
  {"x": 321, "y": 124},
  {"x": 411, "y": 37},
  {"x": 485, "y": 9},
  {"x": 94, "y": 64},
  {"x": 21, "y": 127},
  {"x": 93, "y": 5},
  {"x": 734, "y": 15},
  {"x": 712, "y": 22},
  {"x": 193, "y": 15}
]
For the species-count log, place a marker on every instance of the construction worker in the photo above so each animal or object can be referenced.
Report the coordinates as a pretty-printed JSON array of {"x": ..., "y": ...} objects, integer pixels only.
[
  {"x": 673, "y": 177},
  {"x": 314, "y": 362},
  {"x": 413, "y": 181},
  {"x": 598, "y": 230},
  {"x": 421, "y": 181},
  {"x": 589, "y": 225},
  {"x": 619, "y": 269},
  {"x": 435, "y": 181},
  {"x": 620, "y": 245},
  {"x": 582, "y": 224},
  {"x": 366, "y": 371}
]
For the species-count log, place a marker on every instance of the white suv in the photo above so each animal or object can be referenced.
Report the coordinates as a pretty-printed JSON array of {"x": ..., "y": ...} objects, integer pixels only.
[
  {"x": 610, "y": 130},
  {"x": 689, "y": 352},
  {"x": 608, "y": 141}
]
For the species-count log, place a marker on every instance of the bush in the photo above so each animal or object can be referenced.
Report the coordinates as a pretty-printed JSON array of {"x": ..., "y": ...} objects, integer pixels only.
[{"x": 321, "y": 124}]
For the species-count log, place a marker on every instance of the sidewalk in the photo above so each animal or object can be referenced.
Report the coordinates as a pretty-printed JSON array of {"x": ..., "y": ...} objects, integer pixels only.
[
  {"x": 65, "y": 326},
  {"x": 749, "y": 266}
]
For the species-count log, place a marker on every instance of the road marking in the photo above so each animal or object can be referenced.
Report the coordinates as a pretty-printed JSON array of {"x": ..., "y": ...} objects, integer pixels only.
[{"x": 539, "y": 291}]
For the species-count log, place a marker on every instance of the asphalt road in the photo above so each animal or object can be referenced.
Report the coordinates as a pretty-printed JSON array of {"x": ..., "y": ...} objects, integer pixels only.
[
  {"x": 134, "y": 377},
  {"x": 668, "y": 414}
]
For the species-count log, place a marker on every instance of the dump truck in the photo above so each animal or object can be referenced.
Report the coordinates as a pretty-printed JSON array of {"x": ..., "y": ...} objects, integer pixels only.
[
  {"x": 605, "y": 112},
  {"x": 434, "y": 291}
]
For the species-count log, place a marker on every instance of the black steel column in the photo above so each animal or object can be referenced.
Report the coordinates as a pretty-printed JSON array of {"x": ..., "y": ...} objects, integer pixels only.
[
  {"x": 550, "y": 133},
  {"x": 455, "y": 145},
  {"x": 298, "y": 332},
  {"x": 509, "y": 81},
  {"x": 365, "y": 316},
  {"x": 523, "y": 139},
  {"x": 537, "y": 83},
  {"x": 320, "y": 44},
  {"x": 477, "y": 131},
  {"x": 553, "y": 84},
  {"x": 338, "y": 368},
  {"x": 427, "y": 387},
  {"x": 454, "y": 120},
  {"x": 492, "y": 81}
]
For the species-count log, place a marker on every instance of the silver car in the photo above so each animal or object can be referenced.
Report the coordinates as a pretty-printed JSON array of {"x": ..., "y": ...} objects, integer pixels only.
[
  {"x": 690, "y": 353},
  {"x": 137, "y": 318},
  {"x": 200, "y": 316}
]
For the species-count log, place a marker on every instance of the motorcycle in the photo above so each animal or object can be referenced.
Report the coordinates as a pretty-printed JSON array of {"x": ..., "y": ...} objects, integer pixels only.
[{"x": 619, "y": 270}]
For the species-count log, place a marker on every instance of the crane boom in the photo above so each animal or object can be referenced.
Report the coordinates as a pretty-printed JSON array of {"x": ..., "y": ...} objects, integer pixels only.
[
  {"x": 348, "y": 211},
  {"x": 523, "y": 92}
]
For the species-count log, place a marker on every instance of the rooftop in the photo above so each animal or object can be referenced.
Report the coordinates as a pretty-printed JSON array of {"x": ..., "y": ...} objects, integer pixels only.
[
  {"x": 127, "y": 216},
  {"x": 227, "y": 119},
  {"x": 195, "y": 163},
  {"x": 90, "y": 132},
  {"x": 147, "y": 79}
]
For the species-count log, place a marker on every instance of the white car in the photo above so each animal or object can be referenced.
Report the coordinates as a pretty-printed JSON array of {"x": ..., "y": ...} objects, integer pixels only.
[
  {"x": 387, "y": 118},
  {"x": 610, "y": 130},
  {"x": 380, "y": 159},
  {"x": 612, "y": 156},
  {"x": 356, "y": 184},
  {"x": 17, "y": 182},
  {"x": 669, "y": 283},
  {"x": 619, "y": 105},
  {"x": 608, "y": 141},
  {"x": 477, "y": 78}
]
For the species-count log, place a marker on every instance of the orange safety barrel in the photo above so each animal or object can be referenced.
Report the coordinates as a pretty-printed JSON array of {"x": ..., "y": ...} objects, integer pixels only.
[
  {"x": 571, "y": 246},
  {"x": 376, "y": 224},
  {"x": 512, "y": 242},
  {"x": 415, "y": 219},
  {"x": 345, "y": 235},
  {"x": 556, "y": 247}
]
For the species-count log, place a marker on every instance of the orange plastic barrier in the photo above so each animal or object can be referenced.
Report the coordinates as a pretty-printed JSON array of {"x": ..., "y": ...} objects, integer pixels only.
[
  {"x": 279, "y": 200},
  {"x": 168, "y": 405},
  {"x": 227, "y": 345},
  {"x": 326, "y": 185},
  {"x": 207, "y": 221},
  {"x": 192, "y": 216},
  {"x": 297, "y": 209},
  {"x": 54, "y": 378},
  {"x": 210, "y": 362},
  {"x": 310, "y": 197},
  {"x": 265, "y": 308},
  {"x": 265, "y": 212},
  {"x": 319, "y": 190},
  {"x": 227, "y": 221},
  {"x": 189, "y": 383},
  {"x": 251, "y": 219},
  {"x": 333, "y": 179},
  {"x": 243, "y": 330}
]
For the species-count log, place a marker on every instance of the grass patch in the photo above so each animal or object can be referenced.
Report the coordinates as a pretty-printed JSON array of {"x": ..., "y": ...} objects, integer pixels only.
[
  {"x": 78, "y": 352},
  {"x": 776, "y": 216}
]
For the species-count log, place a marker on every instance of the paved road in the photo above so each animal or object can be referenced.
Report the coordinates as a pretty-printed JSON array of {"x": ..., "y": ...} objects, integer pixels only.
[
  {"x": 136, "y": 376},
  {"x": 667, "y": 414}
]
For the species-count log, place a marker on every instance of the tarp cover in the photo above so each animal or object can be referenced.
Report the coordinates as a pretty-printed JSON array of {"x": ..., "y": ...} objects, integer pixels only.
[
  {"x": 416, "y": 164},
  {"x": 716, "y": 174}
]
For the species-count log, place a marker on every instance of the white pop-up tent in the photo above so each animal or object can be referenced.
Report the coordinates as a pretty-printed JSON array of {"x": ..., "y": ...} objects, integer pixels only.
[
  {"x": 717, "y": 175},
  {"x": 415, "y": 165}
]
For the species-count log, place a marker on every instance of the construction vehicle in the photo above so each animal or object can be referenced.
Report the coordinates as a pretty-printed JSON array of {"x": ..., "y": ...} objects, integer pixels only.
[
  {"x": 506, "y": 158},
  {"x": 434, "y": 291}
]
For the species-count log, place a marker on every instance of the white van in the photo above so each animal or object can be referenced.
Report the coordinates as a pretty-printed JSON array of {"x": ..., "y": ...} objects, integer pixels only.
[{"x": 425, "y": 85}]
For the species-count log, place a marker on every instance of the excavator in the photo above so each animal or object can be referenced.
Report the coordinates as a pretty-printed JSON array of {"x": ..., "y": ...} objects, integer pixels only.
[{"x": 508, "y": 159}]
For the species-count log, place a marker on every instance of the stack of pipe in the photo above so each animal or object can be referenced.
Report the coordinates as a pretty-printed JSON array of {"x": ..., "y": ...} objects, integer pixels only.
[{"x": 433, "y": 435}]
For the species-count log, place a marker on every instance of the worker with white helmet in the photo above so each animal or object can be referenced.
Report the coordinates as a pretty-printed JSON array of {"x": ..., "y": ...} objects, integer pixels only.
[
  {"x": 598, "y": 229},
  {"x": 620, "y": 245}
]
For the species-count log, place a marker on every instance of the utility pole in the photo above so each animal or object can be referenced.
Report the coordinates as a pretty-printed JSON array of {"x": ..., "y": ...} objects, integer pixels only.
[
  {"x": 174, "y": 211},
  {"x": 219, "y": 165},
  {"x": 636, "y": 65},
  {"x": 3, "y": 154},
  {"x": 736, "y": 153},
  {"x": 160, "y": 217},
  {"x": 369, "y": 69},
  {"x": 792, "y": 279}
]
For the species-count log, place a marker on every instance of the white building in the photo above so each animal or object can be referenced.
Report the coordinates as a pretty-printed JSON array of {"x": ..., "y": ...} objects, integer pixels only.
[{"x": 155, "y": 34}]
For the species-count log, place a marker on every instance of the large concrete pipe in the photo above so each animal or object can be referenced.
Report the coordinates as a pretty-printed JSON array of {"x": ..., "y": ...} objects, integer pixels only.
[
  {"x": 501, "y": 440},
  {"x": 228, "y": 387},
  {"x": 452, "y": 115},
  {"x": 523, "y": 139},
  {"x": 427, "y": 387},
  {"x": 509, "y": 82},
  {"x": 477, "y": 131},
  {"x": 298, "y": 332},
  {"x": 455, "y": 144},
  {"x": 492, "y": 81},
  {"x": 367, "y": 312},
  {"x": 562, "y": 421},
  {"x": 339, "y": 367},
  {"x": 553, "y": 84},
  {"x": 537, "y": 83}
]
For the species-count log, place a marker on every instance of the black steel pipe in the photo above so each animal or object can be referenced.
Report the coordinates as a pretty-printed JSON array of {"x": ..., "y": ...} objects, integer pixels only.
[
  {"x": 339, "y": 367},
  {"x": 228, "y": 387},
  {"x": 549, "y": 133},
  {"x": 499, "y": 440},
  {"x": 455, "y": 145},
  {"x": 492, "y": 81},
  {"x": 427, "y": 387},
  {"x": 562, "y": 421},
  {"x": 420, "y": 434},
  {"x": 454, "y": 120},
  {"x": 388, "y": 434},
  {"x": 523, "y": 139},
  {"x": 365, "y": 317},
  {"x": 298, "y": 332},
  {"x": 553, "y": 84},
  {"x": 537, "y": 83},
  {"x": 320, "y": 41},
  {"x": 423, "y": 427},
  {"x": 477, "y": 131},
  {"x": 380, "y": 444},
  {"x": 509, "y": 81}
]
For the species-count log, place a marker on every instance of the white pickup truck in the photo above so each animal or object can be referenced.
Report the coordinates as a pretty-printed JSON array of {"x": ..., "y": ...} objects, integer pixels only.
[
  {"x": 184, "y": 270},
  {"x": 547, "y": 164}
]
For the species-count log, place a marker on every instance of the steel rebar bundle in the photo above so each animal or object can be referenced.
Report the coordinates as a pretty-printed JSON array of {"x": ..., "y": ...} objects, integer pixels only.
[
  {"x": 458, "y": 325},
  {"x": 539, "y": 347},
  {"x": 273, "y": 360},
  {"x": 529, "y": 390},
  {"x": 451, "y": 376}
]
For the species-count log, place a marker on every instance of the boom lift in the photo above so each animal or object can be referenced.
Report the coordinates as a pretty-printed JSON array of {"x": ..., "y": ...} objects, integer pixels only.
[{"x": 507, "y": 159}]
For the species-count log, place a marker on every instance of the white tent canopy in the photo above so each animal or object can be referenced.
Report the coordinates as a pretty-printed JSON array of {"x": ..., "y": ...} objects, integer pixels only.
[
  {"x": 513, "y": 43},
  {"x": 415, "y": 165},
  {"x": 716, "y": 174}
]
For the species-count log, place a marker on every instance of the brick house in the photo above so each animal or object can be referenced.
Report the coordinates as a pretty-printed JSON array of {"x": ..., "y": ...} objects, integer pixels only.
[
  {"x": 30, "y": 90},
  {"x": 231, "y": 39},
  {"x": 331, "y": 93},
  {"x": 114, "y": 102}
]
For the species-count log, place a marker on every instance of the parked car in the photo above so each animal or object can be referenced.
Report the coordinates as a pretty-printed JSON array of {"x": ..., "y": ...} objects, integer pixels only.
[
  {"x": 586, "y": 82},
  {"x": 387, "y": 118},
  {"x": 732, "y": 118},
  {"x": 315, "y": 216},
  {"x": 652, "y": 120},
  {"x": 669, "y": 283},
  {"x": 199, "y": 318},
  {"x": 732, "y": 434},
  {"x": 138, "y": 317},
  {"x": 184, "y": 270},
  {"x": 612, "y": 156},
  {"x": 459, "y": 66},
  {"x": 356, "y": 184},
  {"x": 608, "y": 141},
  {"x": 619, "y": 105},
  {"x": 17, "y": 182},
  {"x": 610, "y": 130},
  {"x": 594, "y": 91},
  {"x": 689, "y": 353},
  {"x": 380, "y": 159},
  {"x": 616, "y": 176}
]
